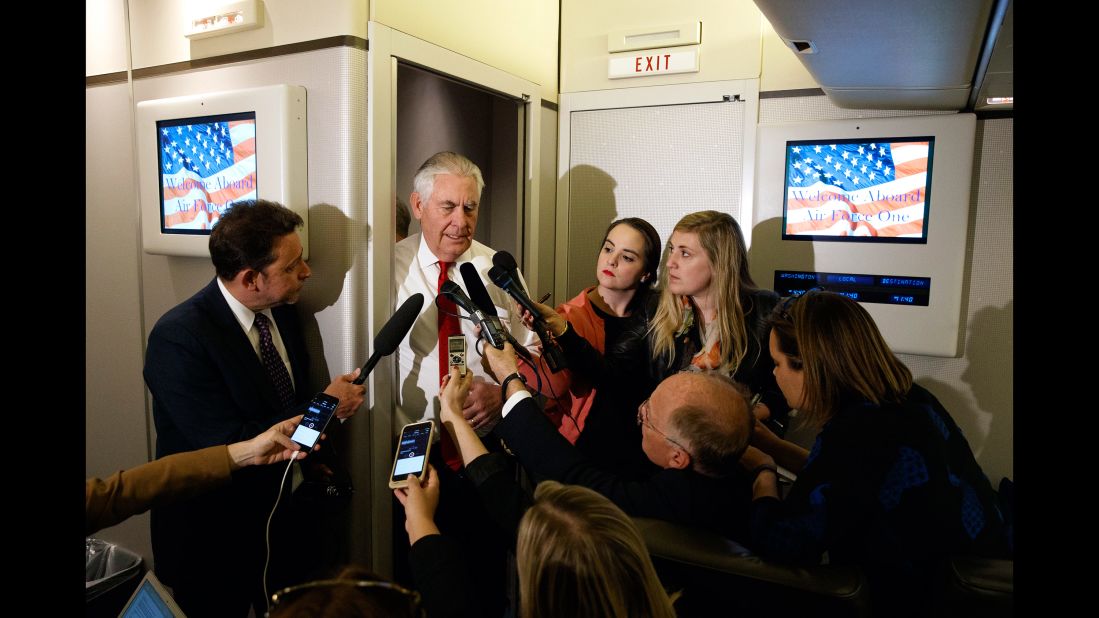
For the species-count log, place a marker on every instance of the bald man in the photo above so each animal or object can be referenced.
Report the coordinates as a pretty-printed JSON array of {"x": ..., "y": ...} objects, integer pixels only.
[{"x": 694, "y": 427}]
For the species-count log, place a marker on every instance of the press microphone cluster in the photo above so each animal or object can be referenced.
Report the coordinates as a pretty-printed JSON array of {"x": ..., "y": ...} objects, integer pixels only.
[
  {"x": 505, "y": 275},
  {"x": 390, "y": 336}
]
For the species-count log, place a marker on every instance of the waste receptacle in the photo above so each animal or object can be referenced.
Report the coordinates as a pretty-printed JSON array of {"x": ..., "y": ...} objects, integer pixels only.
[{"x": 110, "y": 577}]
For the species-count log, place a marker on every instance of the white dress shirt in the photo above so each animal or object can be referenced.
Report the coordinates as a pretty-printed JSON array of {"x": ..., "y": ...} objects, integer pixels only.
[
  {"x": 247, "y": 318},
  {"x": 416, "y": 269}
]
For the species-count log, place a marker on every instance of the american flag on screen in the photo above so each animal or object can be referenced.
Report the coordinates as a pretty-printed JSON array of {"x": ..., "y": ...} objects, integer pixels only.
[
  {"x": 204, "y": 168},
  {"x": 857, "y": 188}
]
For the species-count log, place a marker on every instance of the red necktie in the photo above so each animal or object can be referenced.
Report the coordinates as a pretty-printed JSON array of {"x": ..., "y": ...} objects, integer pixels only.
[{"x": 448, "y": 325}]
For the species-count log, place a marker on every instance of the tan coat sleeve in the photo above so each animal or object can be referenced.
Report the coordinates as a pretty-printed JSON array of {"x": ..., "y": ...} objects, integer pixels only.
[{"x": 165, "y": 480}]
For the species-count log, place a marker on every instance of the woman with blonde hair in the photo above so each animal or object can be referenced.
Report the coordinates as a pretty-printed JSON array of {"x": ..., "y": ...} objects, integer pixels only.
[
  {"x": 890, "y": 484},
  {"x": 579, "y": 555},
  {"x": 710, "y": 315}
]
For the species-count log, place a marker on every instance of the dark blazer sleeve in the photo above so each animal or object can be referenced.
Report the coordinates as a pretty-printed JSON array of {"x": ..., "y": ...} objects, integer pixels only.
[
  {"x": 505, "y": 500},
  {"x": 545, "y": 453},
  {"x": 443, "y": 579}
]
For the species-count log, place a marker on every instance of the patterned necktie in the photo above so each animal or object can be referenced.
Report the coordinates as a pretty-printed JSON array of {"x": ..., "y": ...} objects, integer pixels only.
[
  {"x": 448, "y": 325},
  {"x": 272, "y": 362}
]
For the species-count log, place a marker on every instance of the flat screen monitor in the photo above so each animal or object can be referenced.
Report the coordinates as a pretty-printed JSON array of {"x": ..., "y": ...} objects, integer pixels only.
[
  {"x": 200, "y": 154},
  {"x": 875, "y": 208},
  {"x": 206, "y": 164},
  {"x": 874, "y": 189}
]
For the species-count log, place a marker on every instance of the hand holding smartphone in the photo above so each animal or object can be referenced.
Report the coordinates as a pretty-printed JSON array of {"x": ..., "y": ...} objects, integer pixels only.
[
  {"x": 316, "y": 418},
  {"x": 413, "y": 449}
]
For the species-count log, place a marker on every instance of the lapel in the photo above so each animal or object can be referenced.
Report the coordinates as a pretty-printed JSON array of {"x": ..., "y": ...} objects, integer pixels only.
[{"x": 237, "y": 348}]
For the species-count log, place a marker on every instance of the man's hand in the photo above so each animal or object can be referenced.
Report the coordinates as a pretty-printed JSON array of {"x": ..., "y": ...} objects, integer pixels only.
[
  {"x": 499, "y": 363},
  {"x": 351, "y": 396},
  {"x": 271, "y": 446},
  {"x": 483, "y": 406},
  {"x": 420, "y": 501}
]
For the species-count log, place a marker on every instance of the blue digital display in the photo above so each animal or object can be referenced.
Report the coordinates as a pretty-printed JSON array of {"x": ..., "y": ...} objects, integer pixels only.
[{"x": 883, "y": 289}]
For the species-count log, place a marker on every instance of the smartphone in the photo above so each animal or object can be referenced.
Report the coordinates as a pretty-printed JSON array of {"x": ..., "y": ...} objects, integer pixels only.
[
  {"x": 316, "y": 418},
  {"x": 413, "y": 449},
  {"x": 456, "y": 351}
]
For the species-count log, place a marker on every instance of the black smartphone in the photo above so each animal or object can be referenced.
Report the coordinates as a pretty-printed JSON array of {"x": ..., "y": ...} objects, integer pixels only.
[
  {"x": 413, "y": 449},
  {"x": 316, "y": 418}
]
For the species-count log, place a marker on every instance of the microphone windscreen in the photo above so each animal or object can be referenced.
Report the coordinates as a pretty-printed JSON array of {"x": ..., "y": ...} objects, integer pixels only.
[
  {"x": 398, "y": 326},
  {"x": 477, "y": 292},
  {"x": 505, "y": 260},
  {"x": 454, "y": 292},
  {"x": 500, "y": 277}
]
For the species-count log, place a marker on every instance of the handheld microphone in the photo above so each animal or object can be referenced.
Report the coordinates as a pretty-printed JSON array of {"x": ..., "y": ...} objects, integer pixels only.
[
  {"x": 551, "y": 350},
  {"x": 390, "y": 336},
  {"x": 491, "y": 326},
  {"x": 506, "y": 262},
  {"x": 509, "y": 283}
]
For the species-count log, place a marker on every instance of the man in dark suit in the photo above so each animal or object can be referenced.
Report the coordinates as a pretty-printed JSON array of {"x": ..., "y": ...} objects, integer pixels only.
[
  {"x": 694, "y": 427},
  {"x": 223, "y": 366}
]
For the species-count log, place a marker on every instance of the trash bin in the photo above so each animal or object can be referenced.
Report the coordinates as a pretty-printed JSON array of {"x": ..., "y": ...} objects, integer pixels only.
[{"x": 111, "y": 576}]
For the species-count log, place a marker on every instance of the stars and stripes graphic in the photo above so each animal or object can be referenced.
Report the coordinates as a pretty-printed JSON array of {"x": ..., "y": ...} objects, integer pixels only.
[
  {"x": 858, "y": 188},
  {"x": 206, "y": 164}
]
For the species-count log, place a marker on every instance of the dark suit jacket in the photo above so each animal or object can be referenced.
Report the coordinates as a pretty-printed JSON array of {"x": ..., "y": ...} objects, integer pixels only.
[
  {"x": 209, "y": 388},
  {"x": 680, "y": 496}
]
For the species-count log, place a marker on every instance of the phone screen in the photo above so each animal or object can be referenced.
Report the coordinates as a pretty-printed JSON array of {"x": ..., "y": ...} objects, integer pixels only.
[
  {"x": 316, "y": 418},
  {"x": 412, "y": 450}
]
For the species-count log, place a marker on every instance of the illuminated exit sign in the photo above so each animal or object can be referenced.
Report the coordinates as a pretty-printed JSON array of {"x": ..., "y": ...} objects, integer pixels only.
[{"x": 653, "y": 62}]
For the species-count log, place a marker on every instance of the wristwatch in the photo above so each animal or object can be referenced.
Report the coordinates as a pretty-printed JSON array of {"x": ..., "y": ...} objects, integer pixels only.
[{"x": 504, "y": 384}]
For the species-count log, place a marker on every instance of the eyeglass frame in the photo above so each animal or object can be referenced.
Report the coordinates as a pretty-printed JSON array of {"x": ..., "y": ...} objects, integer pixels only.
[
  {"x": 788, "y": 302},
  {"x": 412, "y": 595},
  {"x": 643, "y": 419}
]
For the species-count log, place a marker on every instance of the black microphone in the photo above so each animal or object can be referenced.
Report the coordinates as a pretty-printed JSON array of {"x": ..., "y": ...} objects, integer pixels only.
[
  {"x": 492, "y": 332},
  {"x": 506, "y": 262},
  {"x": 390, "y": 336},
  {"x": 551, "y": 350},
  {"x": 491, "y": 326},
  {"x": 511, "y": 284}
]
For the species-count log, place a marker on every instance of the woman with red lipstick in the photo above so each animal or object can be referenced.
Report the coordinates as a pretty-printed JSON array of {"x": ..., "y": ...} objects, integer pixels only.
[{"x": 625, "y": 272}]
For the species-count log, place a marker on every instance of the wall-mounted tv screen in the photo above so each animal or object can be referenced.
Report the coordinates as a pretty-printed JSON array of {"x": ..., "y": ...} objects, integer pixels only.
[
  {"x": 206, "y": 165},
  {"x": 858, "y": 190},
  {"x": 198, "y": 154}
]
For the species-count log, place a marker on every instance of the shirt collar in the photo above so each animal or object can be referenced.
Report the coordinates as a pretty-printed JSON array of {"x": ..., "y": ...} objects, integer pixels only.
[
  {"x": 426, "y": 258},
  {"x": 245, "y": 316}
]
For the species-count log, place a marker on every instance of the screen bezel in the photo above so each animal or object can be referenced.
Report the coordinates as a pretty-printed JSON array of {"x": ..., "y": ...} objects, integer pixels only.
[
  {"x": 397, "y": 451},
  {"x": 328, "y": 405},
  {"x": 209, "y": 119},
  {"x": 922, "y": 240}
]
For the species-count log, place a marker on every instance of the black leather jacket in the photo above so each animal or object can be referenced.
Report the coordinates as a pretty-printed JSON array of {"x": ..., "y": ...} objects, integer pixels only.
[{"x": 629, "y": 366}]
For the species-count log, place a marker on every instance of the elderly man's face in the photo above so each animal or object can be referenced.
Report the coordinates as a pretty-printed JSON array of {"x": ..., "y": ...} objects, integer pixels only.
[{"x": 449, "y": 217}]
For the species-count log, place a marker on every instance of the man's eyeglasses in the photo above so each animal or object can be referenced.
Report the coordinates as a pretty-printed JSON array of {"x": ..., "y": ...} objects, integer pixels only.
[
  {"x": 411, "y": 597},
  {"x": 643, "y": 419}
]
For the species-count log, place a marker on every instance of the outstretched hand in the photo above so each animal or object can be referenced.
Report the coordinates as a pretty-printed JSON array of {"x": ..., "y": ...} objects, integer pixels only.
[{"x": 271, "y": 446}]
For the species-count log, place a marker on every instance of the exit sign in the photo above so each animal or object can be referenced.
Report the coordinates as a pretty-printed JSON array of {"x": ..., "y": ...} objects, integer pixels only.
[{"x": 653, "y": 62}]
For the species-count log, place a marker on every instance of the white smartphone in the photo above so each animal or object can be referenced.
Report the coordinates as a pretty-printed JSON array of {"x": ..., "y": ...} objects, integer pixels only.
[
  {"x": 413, "y": 449},
  {"x": 456, "y": 352},
  {"x": 316, "y": 418}
]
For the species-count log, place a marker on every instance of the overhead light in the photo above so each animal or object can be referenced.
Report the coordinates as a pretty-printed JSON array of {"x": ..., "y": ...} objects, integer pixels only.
[{"x": 1000, "y": 100}]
